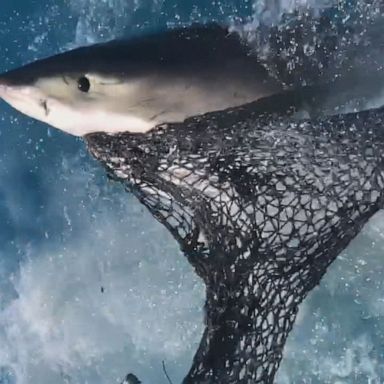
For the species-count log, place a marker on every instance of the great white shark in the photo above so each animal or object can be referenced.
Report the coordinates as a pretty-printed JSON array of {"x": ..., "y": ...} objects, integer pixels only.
[
  {"x": 262, "y": 187},
  {"x": 134, "y": 85}
]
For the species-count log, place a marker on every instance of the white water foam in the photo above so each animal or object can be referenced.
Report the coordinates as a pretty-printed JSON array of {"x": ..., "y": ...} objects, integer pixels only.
[{"x": 118, "y": 297}]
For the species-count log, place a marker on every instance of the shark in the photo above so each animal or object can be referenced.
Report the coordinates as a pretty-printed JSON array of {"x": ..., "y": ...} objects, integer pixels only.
[
  {"x": 261, "y": 186},
  {"x": 135, "y": 84}
]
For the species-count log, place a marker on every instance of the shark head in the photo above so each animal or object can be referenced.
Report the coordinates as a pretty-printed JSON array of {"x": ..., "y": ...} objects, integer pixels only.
[
  {"x": 77, "y": 101},
  {"x": 136, "y": 84}
]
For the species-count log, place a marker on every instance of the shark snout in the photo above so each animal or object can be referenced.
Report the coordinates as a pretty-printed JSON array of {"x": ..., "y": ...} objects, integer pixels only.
[
  {"x": 13, "y": 79},
  {"x": 3, "y": 89},
  {"x": 5, "y": 79},
  {"x": 3, "y": 86},
  {"x": 9, "y": 88}
]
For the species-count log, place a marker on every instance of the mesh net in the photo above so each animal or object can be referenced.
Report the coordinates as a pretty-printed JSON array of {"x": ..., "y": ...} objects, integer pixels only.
[{"x": 261, "y": 204}]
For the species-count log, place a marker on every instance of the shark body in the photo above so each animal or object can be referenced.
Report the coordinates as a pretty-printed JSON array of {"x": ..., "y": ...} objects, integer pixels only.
[{"x": 134, "y": 85}]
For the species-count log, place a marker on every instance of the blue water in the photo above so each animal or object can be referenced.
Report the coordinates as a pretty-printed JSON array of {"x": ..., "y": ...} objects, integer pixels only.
[{"x": 67, "y": 234}]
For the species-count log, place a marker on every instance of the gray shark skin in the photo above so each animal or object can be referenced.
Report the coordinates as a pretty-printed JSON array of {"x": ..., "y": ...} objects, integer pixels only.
[
  {"x": 197, "y": 52},
  {"x": 261, "y": 204}
]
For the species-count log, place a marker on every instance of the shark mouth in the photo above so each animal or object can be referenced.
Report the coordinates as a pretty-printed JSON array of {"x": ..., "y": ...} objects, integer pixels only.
[{"x": 261, "y": 204}]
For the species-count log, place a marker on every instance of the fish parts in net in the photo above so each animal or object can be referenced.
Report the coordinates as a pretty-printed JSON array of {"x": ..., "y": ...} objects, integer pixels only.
[{"x": 261, "y": 204}]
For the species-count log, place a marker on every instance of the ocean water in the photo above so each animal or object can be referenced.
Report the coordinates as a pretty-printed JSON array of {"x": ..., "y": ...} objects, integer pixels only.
[{"x": 91, "y": 286}]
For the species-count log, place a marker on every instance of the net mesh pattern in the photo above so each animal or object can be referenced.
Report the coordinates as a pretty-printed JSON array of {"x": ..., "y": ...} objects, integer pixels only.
[{"x": 261, "y": 204}]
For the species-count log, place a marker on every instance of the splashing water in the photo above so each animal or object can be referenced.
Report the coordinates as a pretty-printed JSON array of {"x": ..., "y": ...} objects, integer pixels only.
[{"x": 91, "y": 287}]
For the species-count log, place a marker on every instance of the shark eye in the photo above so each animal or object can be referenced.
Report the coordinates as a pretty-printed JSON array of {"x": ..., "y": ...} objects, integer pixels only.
[{"x": 83, "y": 84}]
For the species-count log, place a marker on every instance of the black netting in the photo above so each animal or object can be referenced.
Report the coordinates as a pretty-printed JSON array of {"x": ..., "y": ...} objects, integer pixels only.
[{"x": 260, "y": 204}]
